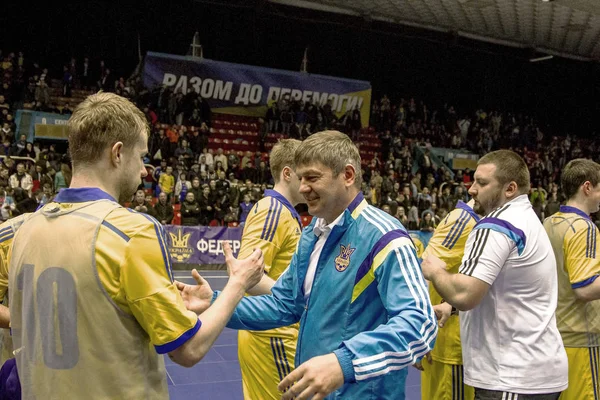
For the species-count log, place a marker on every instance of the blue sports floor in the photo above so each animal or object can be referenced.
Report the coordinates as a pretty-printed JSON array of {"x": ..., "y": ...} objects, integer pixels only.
[{"x": 217, "y": 376}]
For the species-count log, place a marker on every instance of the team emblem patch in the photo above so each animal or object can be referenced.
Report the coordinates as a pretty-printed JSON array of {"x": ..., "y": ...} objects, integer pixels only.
[
  {"x": 179, "y": 249},
  {"x": 343, "y": 260}
]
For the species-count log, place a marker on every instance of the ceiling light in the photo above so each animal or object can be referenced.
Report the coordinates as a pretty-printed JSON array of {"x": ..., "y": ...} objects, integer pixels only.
[{"x": 544, "y": 58}]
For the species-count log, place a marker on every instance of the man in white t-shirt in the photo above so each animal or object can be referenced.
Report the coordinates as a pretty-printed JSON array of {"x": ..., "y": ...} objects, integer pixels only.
[{"x": 506, "y": 289}]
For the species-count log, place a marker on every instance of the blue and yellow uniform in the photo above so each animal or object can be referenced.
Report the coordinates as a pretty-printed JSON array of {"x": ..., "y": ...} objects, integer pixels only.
[
  {"x": 574, "y": 239},
  {"x": 92, "y": 301},
  {"x": 443, "y": 378},
  {"x": 7, "y": 233},
  {"x": 266, "y": 357}
]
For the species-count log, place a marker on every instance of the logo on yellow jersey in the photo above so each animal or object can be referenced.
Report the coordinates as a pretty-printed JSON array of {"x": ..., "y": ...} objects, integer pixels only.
[
  {"x": 179, "y": 249},
  {"x": 343, "y": 260}
]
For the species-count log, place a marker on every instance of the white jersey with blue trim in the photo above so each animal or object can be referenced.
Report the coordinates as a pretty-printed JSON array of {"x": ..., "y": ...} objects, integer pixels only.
[{"x": 510, "y": 340}]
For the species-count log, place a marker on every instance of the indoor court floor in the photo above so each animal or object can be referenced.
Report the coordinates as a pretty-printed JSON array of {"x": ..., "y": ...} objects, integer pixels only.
[{"x": 217, "y": 376}]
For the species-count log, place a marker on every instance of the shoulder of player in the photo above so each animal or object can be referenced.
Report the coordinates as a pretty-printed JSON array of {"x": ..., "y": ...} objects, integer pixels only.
[
  {"x": 130, "y": 222},
  {"x": 268, "y": 206},
  {"x": 580, "y": 225},
  {"x": 10, "y": 227},
  {"x": 377, "y": 225}
]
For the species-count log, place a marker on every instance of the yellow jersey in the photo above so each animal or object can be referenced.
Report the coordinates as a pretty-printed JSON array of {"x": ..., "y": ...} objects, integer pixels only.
[
  {"x": 92, "y": 301},
  {"x": 274, "y": 226},
  {"x": 448, "y": 243},
  {"x": 7, "y": 233},
  {"x": 574, "y": 239}
]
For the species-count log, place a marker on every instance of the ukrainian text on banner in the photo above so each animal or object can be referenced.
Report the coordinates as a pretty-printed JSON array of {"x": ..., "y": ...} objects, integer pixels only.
[
  {"x": 247, "y": 90},
  {"x": 201, "y": 244},
  {"x": 204, "y": 244}
]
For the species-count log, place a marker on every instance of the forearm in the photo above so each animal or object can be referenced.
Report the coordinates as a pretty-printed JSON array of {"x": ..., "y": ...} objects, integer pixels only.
[
  {"x": 262, "y": 287},
  {"x": 451, "y": 288},
  {"x": 213, "y": 320},
  {"x": 4, "y": 317},
  {"x": 367, "y": 349},
  {"x": 589, "y": 292}
]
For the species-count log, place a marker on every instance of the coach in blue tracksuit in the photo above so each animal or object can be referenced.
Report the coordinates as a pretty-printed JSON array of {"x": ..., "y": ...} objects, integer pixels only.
[{"x": 354, "y": 283}]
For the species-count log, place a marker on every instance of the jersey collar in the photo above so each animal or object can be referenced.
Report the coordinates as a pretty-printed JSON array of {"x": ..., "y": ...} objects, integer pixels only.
[
  {"x": 285, "y": 202},
  {"x": 357, "y": 200},
  {"x": 81, "y": 195},
  {"x": 574, "y": 210},
  {"x": 464, "y": 206}
]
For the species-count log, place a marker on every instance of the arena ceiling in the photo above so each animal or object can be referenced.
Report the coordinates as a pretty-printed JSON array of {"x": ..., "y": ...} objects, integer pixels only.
[{"x": 565, "y": 28}]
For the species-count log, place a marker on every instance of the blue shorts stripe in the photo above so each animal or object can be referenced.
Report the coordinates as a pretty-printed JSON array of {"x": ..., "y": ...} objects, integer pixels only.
[
  {"x": 280, "y": 356},
  {"x": 594, "y": 371},
  {"x": 287, "y": 364},
  {"x": 275, "y": 359}
]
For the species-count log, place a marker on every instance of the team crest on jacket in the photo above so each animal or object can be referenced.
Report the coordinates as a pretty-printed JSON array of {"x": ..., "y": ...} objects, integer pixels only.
[{"x": 343, "y": 260}]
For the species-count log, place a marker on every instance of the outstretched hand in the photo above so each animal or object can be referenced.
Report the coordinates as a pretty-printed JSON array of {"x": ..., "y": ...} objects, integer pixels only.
[
  {"x": 197, "y": 297},
  {"x": 246, "y": 272}
]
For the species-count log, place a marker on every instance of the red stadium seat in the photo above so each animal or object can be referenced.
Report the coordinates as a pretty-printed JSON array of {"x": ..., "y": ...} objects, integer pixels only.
[
  {"x": 176, "y": 219},
  {"x": 306, "y": 219}
]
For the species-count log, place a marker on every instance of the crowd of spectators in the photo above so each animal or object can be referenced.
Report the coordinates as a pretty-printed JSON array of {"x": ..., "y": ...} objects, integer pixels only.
[
  {"x": 299, "y": 119},
  {"x": 219, "y": 186},
  {"x": 392, "y": 185}
]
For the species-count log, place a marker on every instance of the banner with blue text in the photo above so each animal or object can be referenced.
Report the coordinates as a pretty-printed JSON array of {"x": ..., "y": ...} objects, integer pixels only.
[
  {"x": 247, "y": 90},
  {"x": 204, "y": 244}
]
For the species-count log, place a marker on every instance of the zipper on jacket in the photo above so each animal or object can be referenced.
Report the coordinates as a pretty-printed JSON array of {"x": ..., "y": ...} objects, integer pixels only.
[{"x": 306, "y": 306}]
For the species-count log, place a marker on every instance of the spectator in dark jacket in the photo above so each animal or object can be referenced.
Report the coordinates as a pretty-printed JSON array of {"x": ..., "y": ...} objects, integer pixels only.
[
  {"x": 163, "y": 211},
  {"x": 190, "y": 211}
]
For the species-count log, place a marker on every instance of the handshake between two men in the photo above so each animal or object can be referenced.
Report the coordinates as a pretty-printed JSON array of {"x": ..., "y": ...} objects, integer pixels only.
[{"x": 216, "y": 311}]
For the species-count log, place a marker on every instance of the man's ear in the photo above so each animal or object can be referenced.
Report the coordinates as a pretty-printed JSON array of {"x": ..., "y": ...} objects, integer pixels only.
[
  {"x": 512, "y": 189},
  {"x": 286, "y": 173},
  {"x": 349, "y": 175},
  {"x": 116, "y": 153}
]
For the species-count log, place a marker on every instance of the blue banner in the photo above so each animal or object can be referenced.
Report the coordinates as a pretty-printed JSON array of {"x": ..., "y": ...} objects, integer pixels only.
[
  {"x": 41, "y": 125},
  {"x": 201, "y": 244},
  {"x": 204, "y": 244},
  {"x": 247, "y": 90}
]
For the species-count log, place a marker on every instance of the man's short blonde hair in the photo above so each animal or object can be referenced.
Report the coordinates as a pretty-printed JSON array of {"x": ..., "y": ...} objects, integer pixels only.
[
  {"x": 282, "y": 155},
  {"x": 334, "y": 150},
  {"x": 100, "y": 121}
]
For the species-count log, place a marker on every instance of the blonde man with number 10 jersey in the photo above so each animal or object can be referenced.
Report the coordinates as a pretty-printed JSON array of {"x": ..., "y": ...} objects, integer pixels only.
[
  {"x": 574, "y": 239},
  {"x": 273, "y": 226},
  {"x": 442, "y": 377},
  {"x": 93, "y": 304}
]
